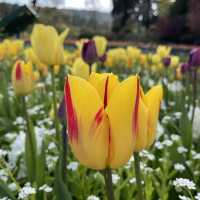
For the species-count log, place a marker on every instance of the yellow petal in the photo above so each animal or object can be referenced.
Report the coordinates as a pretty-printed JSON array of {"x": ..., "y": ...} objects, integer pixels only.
[
  {"x": 87, "y": 123},
  {"x": 152, "y": 100},
  {"x": 142, "y": 137},
  {"x": 122, "y": 112},
  {"x": 104, "y": 83},
  {"x": 101, "y": 44},
  {"x": 44, "y": 40}
]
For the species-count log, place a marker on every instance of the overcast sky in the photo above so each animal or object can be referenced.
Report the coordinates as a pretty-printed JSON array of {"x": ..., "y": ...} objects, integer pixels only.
[{"x": 101, "y": 5}]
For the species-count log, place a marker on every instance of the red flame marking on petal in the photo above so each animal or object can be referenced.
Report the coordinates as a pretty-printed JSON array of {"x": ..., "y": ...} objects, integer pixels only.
[
  {"x": 106, "y": 92},
  {"x": 72, "y": 121},
  {"x": 18, "y": 72},
  {"x": 136, "y": 109}
]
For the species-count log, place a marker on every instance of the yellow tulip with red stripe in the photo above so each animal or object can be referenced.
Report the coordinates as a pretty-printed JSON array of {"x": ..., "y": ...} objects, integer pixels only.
[
  {"x": 108, "y": 120},
  {"x": 22, "y": 78}
]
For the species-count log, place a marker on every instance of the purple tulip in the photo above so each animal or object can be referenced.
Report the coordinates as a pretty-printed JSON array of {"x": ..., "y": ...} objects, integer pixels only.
[
  {"x": 166, "y": 61},
  {"x": 184, "y": 68},
  {"x": 194, "y": 58},
  {"x": 89, "y": 52}
]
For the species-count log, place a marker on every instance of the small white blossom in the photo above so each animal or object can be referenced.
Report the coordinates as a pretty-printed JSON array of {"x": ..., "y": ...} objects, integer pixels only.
[
  {"x": 159, "y": 145},
  {"x": 3, "y": 175},
  {"x": 45, "y": 188},
  {"x": 183, "y": 197},
  {"x": 179, "y": 167},
  {"x": 5, "y": 198},
  {"x": 115, "y": 178},
  {"x": 72, "y": 166},
  {"x": 93, "y": 197},
  {"x": 166, "y": 119},
  {"x": 184, "y": 182},
  {"x": 175, "y": 137},
  {"x": 26, "y": 191},
  {"x": 167, "y": 143},
  {"x": 177, "y": 115},
  {"x": 197, "y": 197},
  {"x": 196, "y": 156},
  {"x": 12, "y": 186},
  {"x": 182, "y": 150},
  {"x": 3, "y": 153},
  {"x": 132, "y": 181}
]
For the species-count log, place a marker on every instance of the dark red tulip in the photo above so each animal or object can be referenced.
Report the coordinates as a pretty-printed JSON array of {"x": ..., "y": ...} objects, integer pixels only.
[
  {"x": 166, "y": 61},
  {"x": 89, "y": 52},
  {"x": 194, "y": 58},
  {"x": 184, "y": 67}
]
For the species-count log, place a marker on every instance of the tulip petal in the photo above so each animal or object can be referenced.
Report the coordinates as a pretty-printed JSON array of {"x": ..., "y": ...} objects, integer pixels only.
[
  {"x": 152, "y": 100},
  {"x": 89, "y": 135},
  {"x": 44, "y": 40},
  {"x": 104, "y": 84},
  {"x": 122, "y": 112}
]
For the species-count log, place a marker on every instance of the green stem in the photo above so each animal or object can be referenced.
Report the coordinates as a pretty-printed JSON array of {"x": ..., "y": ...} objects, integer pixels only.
[
  {"x": 109, "y": 184},
  {"x": 29, "y": 141},
  {"x": 138, "y": 176},
  {"x": 56, "y": 122},
  {"x": 194, "y": 94}
]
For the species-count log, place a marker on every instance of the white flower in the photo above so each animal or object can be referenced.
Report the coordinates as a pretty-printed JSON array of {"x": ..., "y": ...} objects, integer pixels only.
[
  {"x": 177, "y": 115},
  {"x": 196, "y": 156},
  {"x": 3, "y": 153},
  {"x": 179, "y": 167},
  {"x": 160, "y": 130},
  {"x": 17, "y": 148},
  {"x": 166, "y": 119},
  {"x": 93, "y": 197},
  {"x": 176, "y": 86},
  {"x": 175, "y": 137},
  {"x": 148, "y": 155},
  {"x": 184, "y": 197},
  {"x": 72, "y": 166},
  {"x": 51, "y": 146},
  {"x": 5, "y": 198},
  {"x": 115, "y": 178},
  {"x": 45, "y": 188},
  {"x": 182, "y": 150},
  {"x": 12, "y": 186},
  {"x": 26, "y": 191},
  {"x": 167, "y": 143},
  {"x": 3, "y": 175},
  {"x": 184, "y": 182},
  {"x": 159, "y": 145},
  {"x": 132, "y": 181},
  {"x": 19, "y": 121},
  {"x": 197, "y": 197}
]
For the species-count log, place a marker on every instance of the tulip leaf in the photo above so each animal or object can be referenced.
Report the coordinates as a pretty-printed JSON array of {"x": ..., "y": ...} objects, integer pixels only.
[
  {"x": 60, "y": 189},
  {"x": 5, "y": 191},
  {"x": 40, "y": 172},
  {"x": 186, "y": 129}
]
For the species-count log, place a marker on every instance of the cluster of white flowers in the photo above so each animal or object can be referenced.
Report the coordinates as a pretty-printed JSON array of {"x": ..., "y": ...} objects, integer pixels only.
[
  {"x": 197, "y": 197},
  {"x": 115, "y": 178},
  {"x": 3, "y": 175},
  {"x": 184, "y": 182},
  {"x": 5, "y": 198},
  {"x": 175, "y": 137},
  {"x": 184, "y": 197},
  {"x": 175, "y": 86},
  {"x": 3, "y": 153},
  {"x": 26, "y": 191},
  {"x": 36, "y": 110},
  {"x": 45, "y": 188},
  {"x": 179, "y": 167},
  {"x": 182, "y": 150},
  {"x": 147, "y": 155},
  {"x": 93, "y": 197},
  {"x": 73, "y": 166}
]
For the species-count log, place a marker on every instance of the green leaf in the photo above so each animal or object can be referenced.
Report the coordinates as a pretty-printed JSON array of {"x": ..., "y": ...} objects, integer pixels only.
[
  {"x": 60, "y": 189},
  {"x": 5, "y": 191}
]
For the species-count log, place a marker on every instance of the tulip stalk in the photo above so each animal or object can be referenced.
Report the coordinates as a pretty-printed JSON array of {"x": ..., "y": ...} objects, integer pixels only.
[
  {"x": 138, "y": 176},
  {"x": 194, "y": 85},
  {"x": 109, "y": 184},
  {"x": 56, "y": 123}
]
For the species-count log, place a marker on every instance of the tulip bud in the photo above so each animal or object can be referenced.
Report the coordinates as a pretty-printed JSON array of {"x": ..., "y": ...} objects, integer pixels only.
[
  {"x": 194, "y": 58},
  {"x": 22, "y": 78},
  {"x": 166, "y": 61},
  {"x": 89, "y": 52}
]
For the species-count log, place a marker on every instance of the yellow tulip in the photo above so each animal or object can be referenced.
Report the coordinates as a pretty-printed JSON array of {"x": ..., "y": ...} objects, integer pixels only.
[
  {"x": 48, "y": 45},
  {"x": 2, "y": 52},
  {"x": 105, "y": 132},
  {"x": 36, "y": 76},
  {"x": 163, "y": 51},
  {"x": 156, "y": 59},
  {"x": 175, "y": 60},
  {"x": 22, "y": 78},
  {"x": 101, "y": 45},
  {"x": 133, "y": 55},
  {"x": 80, "y": 68}
]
